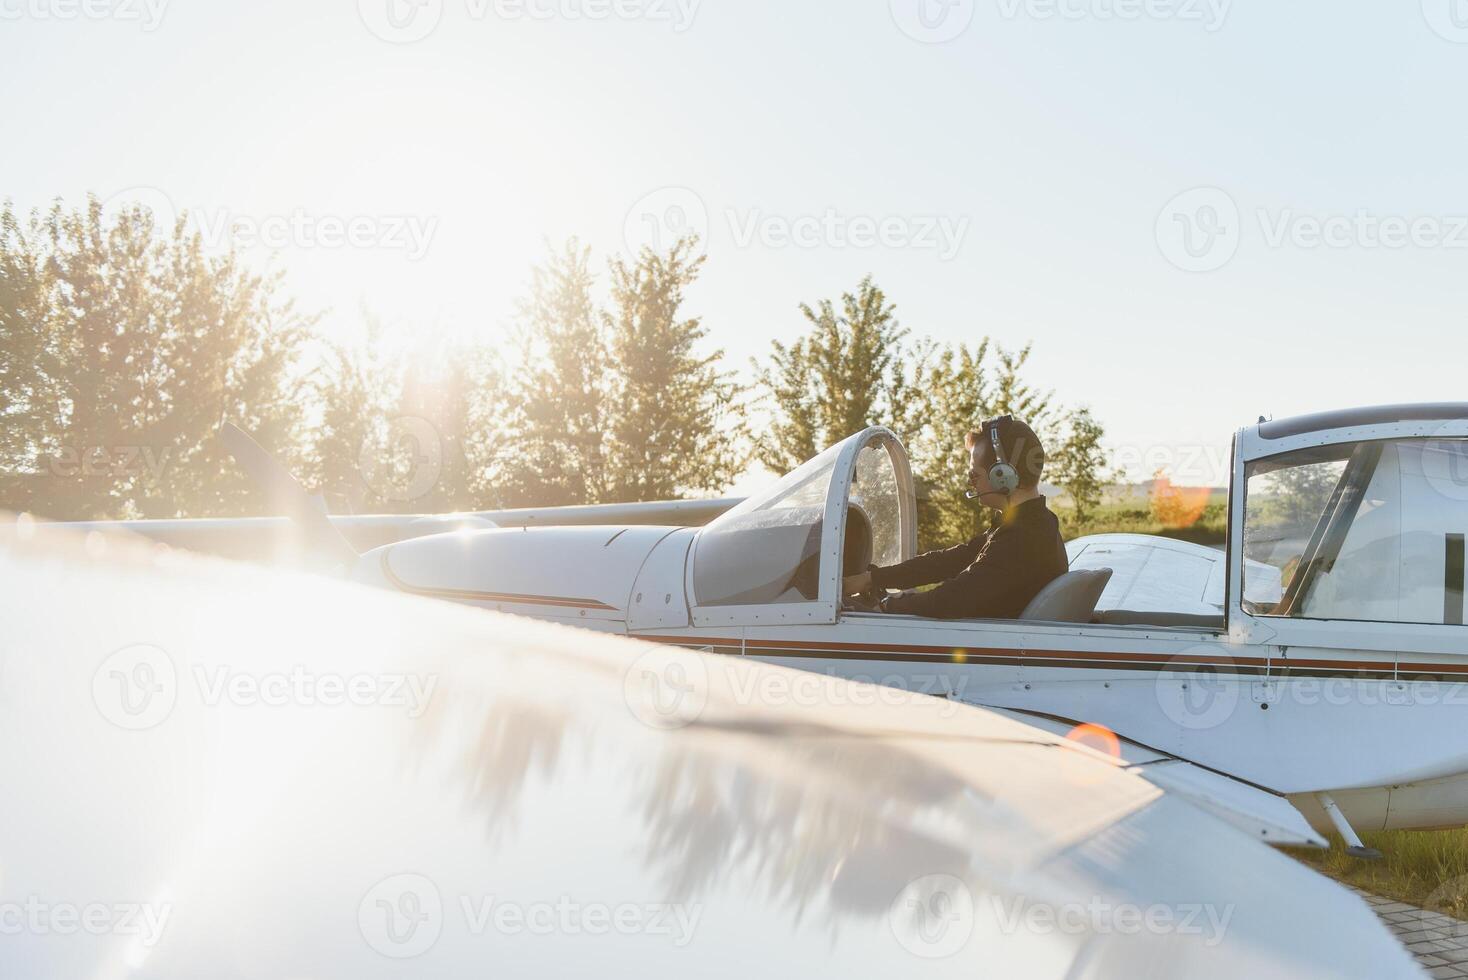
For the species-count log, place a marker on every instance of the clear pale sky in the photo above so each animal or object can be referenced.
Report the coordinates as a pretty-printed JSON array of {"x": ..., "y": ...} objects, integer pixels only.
[{"x": 1055, "y": 135}]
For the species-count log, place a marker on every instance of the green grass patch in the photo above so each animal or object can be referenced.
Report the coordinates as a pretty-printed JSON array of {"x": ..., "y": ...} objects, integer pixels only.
[
  {"x": 1427, "y": 868},
  {"x": 1211, "y": 527}
]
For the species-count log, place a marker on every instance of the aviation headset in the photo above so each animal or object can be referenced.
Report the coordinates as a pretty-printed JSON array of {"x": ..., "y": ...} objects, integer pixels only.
[{"x": 1002, "y": 474}]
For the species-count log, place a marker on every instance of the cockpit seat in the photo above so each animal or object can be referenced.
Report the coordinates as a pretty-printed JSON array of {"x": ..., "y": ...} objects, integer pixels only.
[{"x": 1071, "y": 598}]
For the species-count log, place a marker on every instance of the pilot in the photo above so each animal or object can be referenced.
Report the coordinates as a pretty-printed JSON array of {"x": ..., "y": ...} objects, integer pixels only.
[{"x": 995, "y": 575}]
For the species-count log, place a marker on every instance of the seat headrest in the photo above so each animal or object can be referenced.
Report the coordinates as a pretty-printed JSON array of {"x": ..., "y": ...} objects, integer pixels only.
[{"x": 1070, "y": 598}]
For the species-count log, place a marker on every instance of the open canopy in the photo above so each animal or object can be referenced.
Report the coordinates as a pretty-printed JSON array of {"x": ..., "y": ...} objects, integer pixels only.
[{"x": 779, "y": 556}]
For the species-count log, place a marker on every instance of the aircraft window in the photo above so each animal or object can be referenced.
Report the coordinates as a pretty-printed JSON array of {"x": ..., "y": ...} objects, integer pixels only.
[
  {"x": 874, "y": 491},
  {"x": 1372, "y": 531},
  {"x": 768, "y": 548},
  {"x": 1285, "y": 501}
]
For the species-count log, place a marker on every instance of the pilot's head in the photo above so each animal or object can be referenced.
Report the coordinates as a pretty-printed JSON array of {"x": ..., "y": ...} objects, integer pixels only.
[{"x": 1022, "y": 450}]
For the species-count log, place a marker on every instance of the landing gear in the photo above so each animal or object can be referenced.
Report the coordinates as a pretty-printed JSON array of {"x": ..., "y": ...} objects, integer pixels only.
[{"x": 1354, "y": 847}]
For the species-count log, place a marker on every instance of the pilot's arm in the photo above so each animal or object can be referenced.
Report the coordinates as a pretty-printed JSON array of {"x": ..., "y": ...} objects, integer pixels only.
[
  {"x": 932, "y": 566},
  {"x": 986, "y": 588}
]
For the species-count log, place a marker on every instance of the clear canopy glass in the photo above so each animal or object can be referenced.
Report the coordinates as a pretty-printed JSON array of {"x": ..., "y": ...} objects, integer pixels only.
[
  {"x": 1369, "y": 531},
  {"x": 768, "y": 549},
  {"x": 876, "y": 496}
]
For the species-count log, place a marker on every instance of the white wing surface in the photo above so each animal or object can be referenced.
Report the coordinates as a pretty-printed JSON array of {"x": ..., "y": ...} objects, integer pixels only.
[{"x": 219, "y": 770}]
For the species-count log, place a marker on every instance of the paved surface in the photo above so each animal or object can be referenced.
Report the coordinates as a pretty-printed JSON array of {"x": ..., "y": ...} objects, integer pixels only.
[{"x": 1440, "y": 943}]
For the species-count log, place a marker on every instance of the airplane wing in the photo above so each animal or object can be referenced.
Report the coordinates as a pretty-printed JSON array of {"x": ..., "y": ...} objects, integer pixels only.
[
  {"x": 306, "y": 535},
  {"x": 1155, "y": 573},
  {"x": 1259, "y": 812},
  {"x": 284, "y": 540},
  {"x": 215, "y": 769}
]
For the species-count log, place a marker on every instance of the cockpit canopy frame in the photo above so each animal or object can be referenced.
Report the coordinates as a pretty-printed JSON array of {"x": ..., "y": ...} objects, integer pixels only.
[
  {"x": 778, "y": 557},
  {"x": 1397, "y": 495}
]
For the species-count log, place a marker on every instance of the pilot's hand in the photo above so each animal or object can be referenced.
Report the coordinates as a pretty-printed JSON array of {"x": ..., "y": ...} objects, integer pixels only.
[{"x": 855, "y": 584}]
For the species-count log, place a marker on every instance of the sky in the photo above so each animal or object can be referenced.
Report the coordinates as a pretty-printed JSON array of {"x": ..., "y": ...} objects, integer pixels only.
[{"x": 1199, "y": 211}]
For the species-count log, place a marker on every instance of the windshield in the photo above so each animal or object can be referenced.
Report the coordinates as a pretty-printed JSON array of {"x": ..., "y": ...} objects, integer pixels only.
[
  {"x": 1368, "y": 531},
  {"x": 1285, "y": 501},
  {"x": 874, "y": 491},
  {"x": 768, "y": 548}
]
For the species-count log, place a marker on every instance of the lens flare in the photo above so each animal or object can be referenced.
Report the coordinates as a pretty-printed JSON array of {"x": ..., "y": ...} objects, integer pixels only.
[
  {"x": 1178, "y": 507},
  {"x": 1097, "y": 737}
]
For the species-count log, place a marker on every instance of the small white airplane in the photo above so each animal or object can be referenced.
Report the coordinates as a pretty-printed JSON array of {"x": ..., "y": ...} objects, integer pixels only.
[
  {"x": 1320, "y": 662},
  {"x": 215, "y": 769}
]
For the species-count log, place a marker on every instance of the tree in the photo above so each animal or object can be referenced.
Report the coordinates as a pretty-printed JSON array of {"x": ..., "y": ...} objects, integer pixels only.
[
  {"x": 616, "y": 404},
  {"x": 415, "y": 431},
  {"x": 351, "y": 389},
  {"x": 853, "y": 369},
  {"x": 953, "y": 399},
  {"x": 125, "y": 347},
  {"x": 560, "y": 393},
  {"x": 668, "y": 401},
  {"x": 957, "y": 391},
  {"x": 1012, "y": 395},
  {"x": 1297, "y": 495},
  {"x": 845, "y": 374},
  {"x": 449, "y": 417},
  {"x": 1079, "y": 466}
]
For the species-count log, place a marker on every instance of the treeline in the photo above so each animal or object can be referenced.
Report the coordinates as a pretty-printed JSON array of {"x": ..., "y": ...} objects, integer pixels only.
[{"x": 124, "y": 346}]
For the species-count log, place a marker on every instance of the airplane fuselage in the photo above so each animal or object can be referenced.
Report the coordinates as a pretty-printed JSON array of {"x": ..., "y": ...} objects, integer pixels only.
[{"x": 1381, "y": 731}]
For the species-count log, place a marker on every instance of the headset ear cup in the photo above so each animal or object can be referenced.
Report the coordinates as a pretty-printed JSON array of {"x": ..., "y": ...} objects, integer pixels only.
[{"x": 1002, "y": 476}]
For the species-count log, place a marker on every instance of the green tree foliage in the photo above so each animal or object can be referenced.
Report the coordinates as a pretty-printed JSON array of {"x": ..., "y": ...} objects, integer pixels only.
[
  {"x": 669, "y": 402},
  {"x": 959, "y": 387},
  {"x": 1297, "y": 495},
  {"x": 848, "y": 372},
  {"x": 1078, "y": 465},
  {"x": 954, "y": 399},
  {"x": 124, "y": 348},
  {"x": 411, "y": 431},
  {"x": 617, "y": 404},
  {"x": 560, "y": 390},
  {"x": 448, "y": 417},
  {"x": 353, "y": 387},
  {"x": 854, "y": 368}
]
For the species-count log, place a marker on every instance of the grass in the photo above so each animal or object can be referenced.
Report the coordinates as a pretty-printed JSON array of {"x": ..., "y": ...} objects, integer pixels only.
[
  {"x": 1427, "y": 868},
  {"x": 1210, "y": 528}
]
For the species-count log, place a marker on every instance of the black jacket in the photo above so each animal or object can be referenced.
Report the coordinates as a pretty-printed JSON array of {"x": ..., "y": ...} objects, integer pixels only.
[{"x": 994, "y": 576}]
